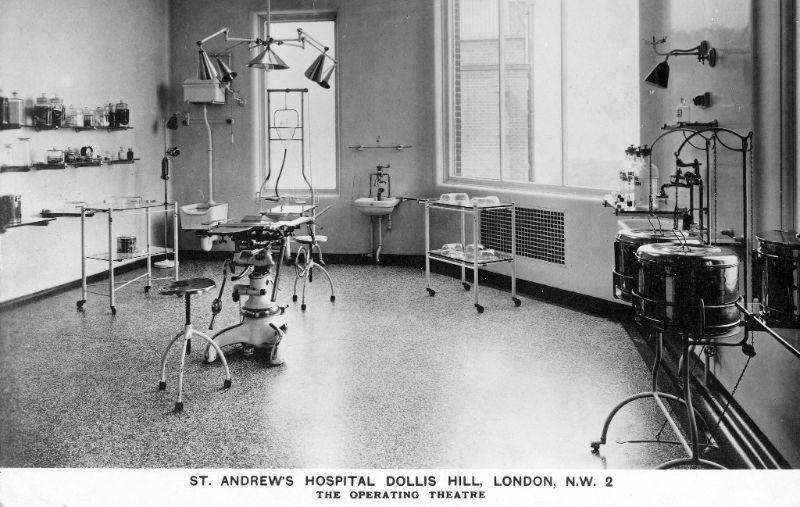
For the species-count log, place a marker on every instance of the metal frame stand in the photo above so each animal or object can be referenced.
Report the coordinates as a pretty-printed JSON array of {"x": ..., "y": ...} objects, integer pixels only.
[
  {"x": 188, "y": 332},
  {"x": 692, "y": 446},
  {"x": 475, "y": 264},
  {"x": 304, "y": 270},
  {"x": 111, "y": 256}
]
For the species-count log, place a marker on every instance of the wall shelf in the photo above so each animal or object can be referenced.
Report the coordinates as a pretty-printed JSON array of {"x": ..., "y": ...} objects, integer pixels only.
[
  {"x": 42, "y": 166},
  {"x": 15, "y": 168},
  {"x": 112, "y": 162},
  {"x": 76, "y": 129},
  {"x": 37, "y": 222}
]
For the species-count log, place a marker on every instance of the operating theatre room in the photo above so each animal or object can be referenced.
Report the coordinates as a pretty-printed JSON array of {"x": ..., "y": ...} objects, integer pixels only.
[{"x": 399, "y": 234}]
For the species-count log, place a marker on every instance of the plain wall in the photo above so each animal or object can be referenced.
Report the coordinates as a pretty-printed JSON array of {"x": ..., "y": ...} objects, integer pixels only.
[
  {"x": 69, "y": 48},
  {"x": 385, "y": 87}
]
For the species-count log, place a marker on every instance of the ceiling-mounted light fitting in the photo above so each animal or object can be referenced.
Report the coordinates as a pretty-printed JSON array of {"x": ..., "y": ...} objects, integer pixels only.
[
  {"x": 226, "y": 74},
  {"x": 659, "y": 76},
  {"x": 267, "y": 60}
]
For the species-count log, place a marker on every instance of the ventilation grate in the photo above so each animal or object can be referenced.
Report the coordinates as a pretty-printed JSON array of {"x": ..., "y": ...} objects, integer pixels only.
[{"x": 540, "y": 233}]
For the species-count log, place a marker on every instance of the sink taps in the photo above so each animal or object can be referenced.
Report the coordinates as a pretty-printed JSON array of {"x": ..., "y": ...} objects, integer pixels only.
[{"x": 380, "y": 181}]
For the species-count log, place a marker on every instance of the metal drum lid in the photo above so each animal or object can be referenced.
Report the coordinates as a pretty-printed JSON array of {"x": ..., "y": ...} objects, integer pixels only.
[
  {"x": 645, "y": 236},
  {"x": 780, "y": 243},
  {"x": 670, "y": 253}
]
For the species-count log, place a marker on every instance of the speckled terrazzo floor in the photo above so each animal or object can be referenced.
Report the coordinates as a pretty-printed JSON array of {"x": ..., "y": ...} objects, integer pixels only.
[{"x": 385, "y": 377}]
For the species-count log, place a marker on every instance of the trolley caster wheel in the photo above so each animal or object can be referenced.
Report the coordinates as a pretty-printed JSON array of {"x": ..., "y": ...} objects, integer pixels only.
[
  {"x": 146, "y": 289},
  {"x": 333, "y": 299},
  {"x": 479, "y": 308},
  {"x": 162, "y": 385},
  {"x": 595, "y": 447},
  {"x": 178, "y": 406},
  {"x": 303, "y": 307},
  {"x": 516, "y": 301},
  {"x": 80, "y": 304},
  {"x": 294, "y": 298},
  {"x": 188, "y": 347},
  {"x": 113, "y": 310},
  {"x": 466, "y": 286},
  {"x": 431, "y": 292},
  {"x": 226, "y": 384}
]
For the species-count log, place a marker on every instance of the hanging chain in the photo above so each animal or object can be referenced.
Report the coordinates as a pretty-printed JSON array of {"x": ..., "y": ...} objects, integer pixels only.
[{"x": 714, "y": 152}]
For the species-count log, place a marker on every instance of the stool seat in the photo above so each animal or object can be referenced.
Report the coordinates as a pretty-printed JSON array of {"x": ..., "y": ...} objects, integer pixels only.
[
  {"x": 306, "y": 240},
  {"x": 189, "y": 286}
]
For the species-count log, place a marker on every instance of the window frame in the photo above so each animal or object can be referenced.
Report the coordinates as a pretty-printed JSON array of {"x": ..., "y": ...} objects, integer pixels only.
[
  {"x": 263, "y": 84},
  {"x": 445, "y": 178}
]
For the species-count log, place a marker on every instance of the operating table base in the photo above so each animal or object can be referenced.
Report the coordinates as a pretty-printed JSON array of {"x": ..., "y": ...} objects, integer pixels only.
[{"x": 259, "y": 332}]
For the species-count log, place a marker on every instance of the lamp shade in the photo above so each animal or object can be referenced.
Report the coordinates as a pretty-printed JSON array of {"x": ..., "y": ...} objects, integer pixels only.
[
  {"x": 314, "y": 72},
  {"x": 325, "y": 80},
  {"x": 659, "y": 76},
  {"x": 267, "y": 60},
  {"x": 227, "y": 75},
  {"x": 206, "y": 69}
]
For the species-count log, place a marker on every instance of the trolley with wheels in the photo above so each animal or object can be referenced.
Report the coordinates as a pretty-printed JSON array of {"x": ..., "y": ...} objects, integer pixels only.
[{"x": 470, "y": 255}]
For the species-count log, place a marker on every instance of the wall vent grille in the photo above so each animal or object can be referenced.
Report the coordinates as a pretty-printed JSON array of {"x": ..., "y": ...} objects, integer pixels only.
[{"x": 540, "y": 233}]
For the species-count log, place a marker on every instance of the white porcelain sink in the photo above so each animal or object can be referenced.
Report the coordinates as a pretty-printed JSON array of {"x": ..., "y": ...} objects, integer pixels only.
[{"x": 373, "y": 207}]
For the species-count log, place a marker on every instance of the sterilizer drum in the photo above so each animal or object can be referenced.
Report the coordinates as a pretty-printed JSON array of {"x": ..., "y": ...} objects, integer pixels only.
[
  {"x": 688, "y": 289},
  {"x": 626, "y": 266},
  {"x": 778, "y": 264}
]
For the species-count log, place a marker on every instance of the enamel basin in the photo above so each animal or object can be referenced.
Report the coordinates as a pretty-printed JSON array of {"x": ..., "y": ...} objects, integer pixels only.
[{"x": 373, "y": 207}]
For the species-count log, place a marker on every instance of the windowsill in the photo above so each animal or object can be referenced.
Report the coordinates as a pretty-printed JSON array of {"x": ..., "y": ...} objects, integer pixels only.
[{"x": 523, "y": 188}]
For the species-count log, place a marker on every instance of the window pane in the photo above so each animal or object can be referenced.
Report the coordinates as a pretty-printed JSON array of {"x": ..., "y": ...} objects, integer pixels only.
[
  {"x": 320, "y": 111},
  {"x": 601, "y": 87},
  {"x": 517, "y": 116},
  {"x": 476, "y": 123}
]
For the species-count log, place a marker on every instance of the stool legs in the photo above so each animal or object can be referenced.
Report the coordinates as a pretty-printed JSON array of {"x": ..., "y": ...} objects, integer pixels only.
[
  {"x": 187, "y": 335},
  {"x": 305, "y": 271}
]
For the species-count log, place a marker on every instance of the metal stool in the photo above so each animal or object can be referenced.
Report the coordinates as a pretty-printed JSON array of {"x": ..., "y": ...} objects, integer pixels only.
[
  {"x": 305, "y": 268},
  {"x": 186, "y": 288}
]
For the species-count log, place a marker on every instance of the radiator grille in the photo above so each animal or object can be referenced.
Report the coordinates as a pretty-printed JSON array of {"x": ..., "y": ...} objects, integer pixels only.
[{"x": 540, "y": 233}]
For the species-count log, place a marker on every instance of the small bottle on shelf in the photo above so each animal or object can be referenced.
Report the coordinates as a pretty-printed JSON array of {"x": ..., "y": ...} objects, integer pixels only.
[
  {"x": 121, "y": 154},
  {"x": 130, "y": 154}
]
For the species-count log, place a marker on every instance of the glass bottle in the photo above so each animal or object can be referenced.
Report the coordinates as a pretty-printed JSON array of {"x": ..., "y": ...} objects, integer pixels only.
[
  {"x": 16, "y": 112},
  {"x": 121, "y": 114},
  {"x": 57, "y": 106},
  {"x": 88, "y": 117},
  {"x": 100, "y": 117},
  {"x": 121, "y": 154},
  {"x": 42, "y": 112},
  {"x": 26, "y": 142},
  {"x": 130, "y": 154},
  {"x": 112, "y": 117},
  {"x": 8, "y": 155}
]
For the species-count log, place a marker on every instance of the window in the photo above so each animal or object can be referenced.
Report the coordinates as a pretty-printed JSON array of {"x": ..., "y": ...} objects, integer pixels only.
[
  {"x": 287, "y": 112},
  {"x": 540, "y": 91}
]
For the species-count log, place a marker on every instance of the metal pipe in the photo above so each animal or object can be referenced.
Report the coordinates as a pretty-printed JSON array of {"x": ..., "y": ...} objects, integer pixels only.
[{"x": 210, "y": 158}]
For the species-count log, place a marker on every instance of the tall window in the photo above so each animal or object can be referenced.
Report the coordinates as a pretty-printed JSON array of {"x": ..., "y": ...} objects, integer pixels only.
[
  {"x": 541, "y": 91},
  {"x": 294, "y": 116}
]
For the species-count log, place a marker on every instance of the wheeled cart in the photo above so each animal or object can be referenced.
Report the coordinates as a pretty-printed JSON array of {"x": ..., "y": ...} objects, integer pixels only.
[
  {"x": 114, "y": 258},
  {"x": 477, "y": 261}
]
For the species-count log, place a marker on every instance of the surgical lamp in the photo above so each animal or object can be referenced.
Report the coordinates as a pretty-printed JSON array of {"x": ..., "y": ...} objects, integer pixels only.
[
  {"x": 266, "y": 60},
  {"x": 659, "y": 76}
]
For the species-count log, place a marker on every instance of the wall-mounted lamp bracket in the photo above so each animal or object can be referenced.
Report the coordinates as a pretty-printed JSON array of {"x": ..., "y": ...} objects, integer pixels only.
[{"x": 702, "y": 51}]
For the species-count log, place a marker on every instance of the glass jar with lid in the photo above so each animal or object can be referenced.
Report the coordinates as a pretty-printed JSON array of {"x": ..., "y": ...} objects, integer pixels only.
[
  {"x": 42, "y": 112},
  {"x": 122, "y": 114},
  {"x": 16, "y": 112},
  {"x": 88, "y": 117},
  {"x": 57, "y": 105},
  {"x": 100, "y": 117},
  {"x": 55, "y": 156}
]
